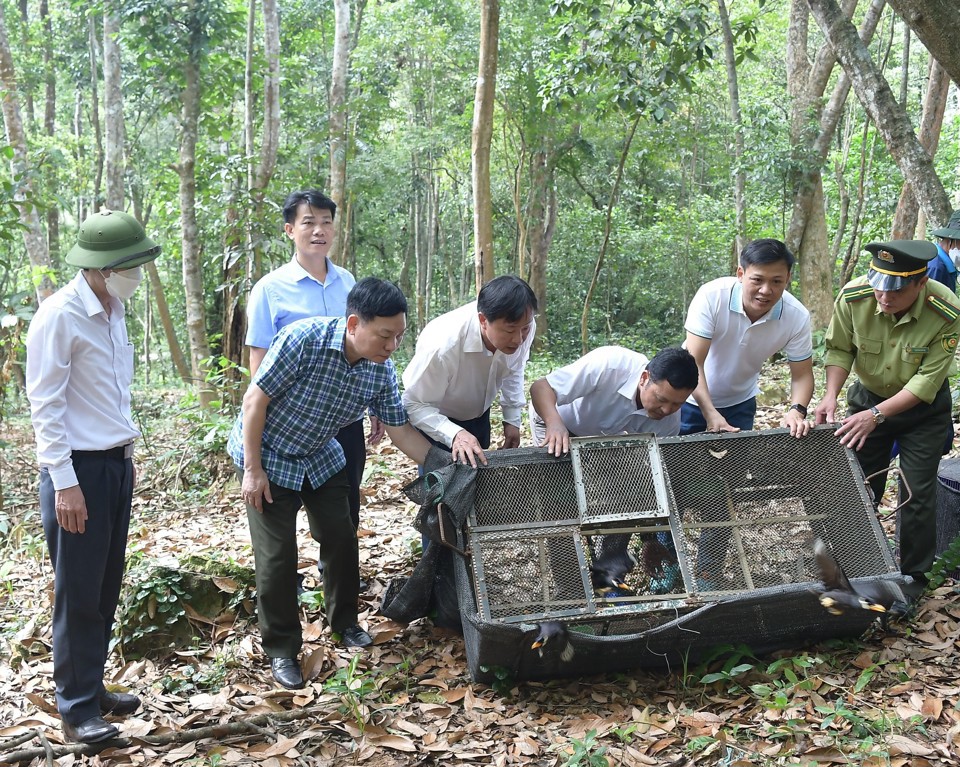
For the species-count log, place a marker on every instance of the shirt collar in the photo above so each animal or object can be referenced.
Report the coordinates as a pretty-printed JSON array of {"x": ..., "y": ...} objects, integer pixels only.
[
  {"x": 473, "y": 339},
  {"x": 946, "y": 259},
  {"x": 736, "y": 304},
  {"x": 629, "y": 390},
  {"x": 91, "y": 304},
  {"x": 302, "y": 274}
]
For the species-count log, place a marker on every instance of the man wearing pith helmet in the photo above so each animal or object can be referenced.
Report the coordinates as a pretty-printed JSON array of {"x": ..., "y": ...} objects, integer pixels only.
[
  {"x": 896, "y": 330},
  {"x": 944, "y": 267},
  {"x": 79, "y": 373}
]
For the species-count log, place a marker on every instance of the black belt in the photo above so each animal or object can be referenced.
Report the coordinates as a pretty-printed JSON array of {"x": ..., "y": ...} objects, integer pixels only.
[{"x": 120, "y": 452}]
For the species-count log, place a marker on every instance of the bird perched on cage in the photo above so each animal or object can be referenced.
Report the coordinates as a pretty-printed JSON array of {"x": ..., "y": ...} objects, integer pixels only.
[
  {"x": 609, "y": 571},
  {"x": 840, "y": 595},
  {"x": 553, "y": 635}
]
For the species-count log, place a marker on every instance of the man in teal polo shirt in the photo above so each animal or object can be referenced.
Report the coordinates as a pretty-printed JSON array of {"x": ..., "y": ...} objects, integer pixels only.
[{"x": 897, "y": 330}]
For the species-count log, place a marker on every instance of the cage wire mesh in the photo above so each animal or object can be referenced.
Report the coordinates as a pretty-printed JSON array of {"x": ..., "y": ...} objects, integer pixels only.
[{"x": 678, "y": 524}]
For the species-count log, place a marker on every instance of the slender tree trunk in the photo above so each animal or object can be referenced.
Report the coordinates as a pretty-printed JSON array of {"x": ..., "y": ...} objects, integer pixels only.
[
  {"x": 607, "y": 227},
  {"x": 113, "y": 113},
  {"x": 338, "y": 120},
  {"x": 49, "y": 128},
  {"x": 541, "y": 223},
  {"x": 934, "y": 106},
  {"x": 936, "y": 23},
  {"x": 733, "y": 90},
  {"x": 95, "y": 114},
  {"x": 890, "y": 118},
  {"x": 481, "y": 137},
  {"x": 33, "y": 237},
  {"x": 190, "y": 234}
]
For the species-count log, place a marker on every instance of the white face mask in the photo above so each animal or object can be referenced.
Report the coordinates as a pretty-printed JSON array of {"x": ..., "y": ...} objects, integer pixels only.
[
  {"x": 123, "y": 284},
  {"x": 955, "y": 255}
]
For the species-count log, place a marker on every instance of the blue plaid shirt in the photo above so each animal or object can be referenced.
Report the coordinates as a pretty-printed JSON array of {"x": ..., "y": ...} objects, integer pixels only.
[{"x": 314, "y": 392}]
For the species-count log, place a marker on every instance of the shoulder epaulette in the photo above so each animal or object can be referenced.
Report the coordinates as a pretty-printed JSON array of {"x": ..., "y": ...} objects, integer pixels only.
[
  {"x": 946, "y": 310},
  {"x": 856, "y": 293}
]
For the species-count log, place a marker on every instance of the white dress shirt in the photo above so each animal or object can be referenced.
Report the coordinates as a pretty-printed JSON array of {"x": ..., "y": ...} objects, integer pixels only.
[
  {"x": 79, "y": 372},
  {"x": 739, "y": 347},
  {"x": 453, "y": 375},
  {"x": 597, "y": 395}
]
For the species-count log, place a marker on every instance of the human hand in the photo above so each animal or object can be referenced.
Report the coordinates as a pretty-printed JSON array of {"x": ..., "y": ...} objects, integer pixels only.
[
  {"x": 255, "y": 488},
  {"x": 826, "y": 411},
  {"x": 854, "y": 429},
  {"x": 511, "y": 436},
  {"x": 71, "y": 509},
  {"x": 466, "y": 449},
  {"x": 557, "y": 439},
  {"x": 719, "y": 424},
  {"x": 798, "y": 424},
  {"x": 377, "y": 430}
]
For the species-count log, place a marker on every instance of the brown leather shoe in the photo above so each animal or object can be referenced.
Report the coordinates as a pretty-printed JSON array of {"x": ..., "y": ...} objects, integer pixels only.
[
  {"x": 118, "y": 703},
  {"x": 93, "y": 730}
]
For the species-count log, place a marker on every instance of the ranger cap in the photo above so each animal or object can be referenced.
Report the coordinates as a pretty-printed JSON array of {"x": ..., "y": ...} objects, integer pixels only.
[
  {"x": 112, "y": 239},
  {"x": 952, "y": 230},
  {"x": 897, "y": 262}
]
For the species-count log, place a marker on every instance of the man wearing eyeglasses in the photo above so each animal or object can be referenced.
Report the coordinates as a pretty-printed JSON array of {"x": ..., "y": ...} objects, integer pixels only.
[{"x": 463, "y": 360}]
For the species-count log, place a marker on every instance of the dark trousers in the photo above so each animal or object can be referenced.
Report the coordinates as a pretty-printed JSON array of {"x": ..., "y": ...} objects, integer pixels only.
[
  {"x": 274, "y": 537},
  {"x": 740, "y": 416},
  {"x": 88, "y": 573},
  {"x": 354, "y": 446},
  {"x": 919, "y": 432}
]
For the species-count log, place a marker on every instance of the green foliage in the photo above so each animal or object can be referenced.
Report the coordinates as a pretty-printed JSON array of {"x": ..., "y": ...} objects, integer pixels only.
[
  {"x": 946, "y": 562},
  {"x": 503, "y": 681},
  {"x": 151, "y": 615},
  {"x": 200, "y": 677},
  {"x": 587, "y": 752}
]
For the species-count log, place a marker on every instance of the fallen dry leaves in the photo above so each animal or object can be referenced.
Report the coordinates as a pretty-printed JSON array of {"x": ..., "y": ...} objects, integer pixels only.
[{"x": 891, "y": 699}]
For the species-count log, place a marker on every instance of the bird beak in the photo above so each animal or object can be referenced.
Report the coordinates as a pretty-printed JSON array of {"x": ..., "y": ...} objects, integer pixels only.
[
  {"x": 622, "y": 586},
  {"x": 537, "y": 644},
  {"x": 876, "y": 608}
]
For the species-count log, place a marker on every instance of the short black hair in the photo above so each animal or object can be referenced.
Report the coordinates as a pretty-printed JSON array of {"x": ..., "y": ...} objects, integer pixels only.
[
  {"x": 506, "y": 298},
  {"x": 766, "y": 251},
  {"x": 372, "y": 297},
  {"x": 313, "y": 197},
  {"x": 677, "y": 366}
]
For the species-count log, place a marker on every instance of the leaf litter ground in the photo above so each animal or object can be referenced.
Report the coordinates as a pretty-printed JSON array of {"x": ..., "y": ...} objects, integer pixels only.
[{"x": 890, "y": 699}]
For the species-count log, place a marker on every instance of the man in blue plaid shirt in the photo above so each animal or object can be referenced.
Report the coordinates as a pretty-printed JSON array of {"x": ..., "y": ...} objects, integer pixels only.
[{"x": 318, "y": 375}]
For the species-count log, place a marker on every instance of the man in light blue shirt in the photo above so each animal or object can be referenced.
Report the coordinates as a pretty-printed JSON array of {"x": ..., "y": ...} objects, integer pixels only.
[{"x": 310, "y": 285}]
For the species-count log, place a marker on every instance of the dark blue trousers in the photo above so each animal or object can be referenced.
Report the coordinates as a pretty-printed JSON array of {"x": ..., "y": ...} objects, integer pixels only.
[{"x": 88, "y": 573}]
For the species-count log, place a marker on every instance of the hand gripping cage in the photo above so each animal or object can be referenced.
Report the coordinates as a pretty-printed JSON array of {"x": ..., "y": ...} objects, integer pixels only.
[{"x": 722, "y": 527}]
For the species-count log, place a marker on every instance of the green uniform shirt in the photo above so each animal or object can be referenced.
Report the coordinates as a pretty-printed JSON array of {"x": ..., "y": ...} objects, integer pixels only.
[{"x": 914, "y": 353}]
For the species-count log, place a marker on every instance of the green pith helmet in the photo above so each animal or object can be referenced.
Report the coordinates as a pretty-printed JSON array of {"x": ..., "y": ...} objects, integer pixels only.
[{"x": 111, "y": 239}]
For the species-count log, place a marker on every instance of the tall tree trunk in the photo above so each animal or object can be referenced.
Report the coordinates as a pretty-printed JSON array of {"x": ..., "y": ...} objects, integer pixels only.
[
  {"x": 113, "y": 112},
  {"x": 733, "y": 90},
  {"x": 936, "y": 23},
  {"x": 338, "y": 119},
  {"x": 33, "y": 237},
  {"x": 541, "y": 223},
  {"x": 934, "y": 106},
  {"x": 95, "y": 114},
  {"x": 49, "y": 128},
  {"x": 190, "y": 234},
  {"x": 481, "y": 137},
  {"x": 607, "y": 227},
  {"x": 889, "y": 117}
]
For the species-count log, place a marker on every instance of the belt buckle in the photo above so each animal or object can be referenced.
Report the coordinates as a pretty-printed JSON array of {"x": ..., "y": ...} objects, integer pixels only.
[{"x": 128, "y": 450}]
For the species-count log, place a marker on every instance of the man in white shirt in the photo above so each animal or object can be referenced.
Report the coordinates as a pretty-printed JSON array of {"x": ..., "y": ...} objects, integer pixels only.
[
  {"x": 466, "y": 357},
  {"x": 609, "y": 391},
  {"x": 79, "y": 373},
  {"x": 735, "y": 324}
]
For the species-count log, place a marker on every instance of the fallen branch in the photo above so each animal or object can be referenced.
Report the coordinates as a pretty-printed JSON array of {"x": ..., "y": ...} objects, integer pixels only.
[{"x": 254, "y": 726}]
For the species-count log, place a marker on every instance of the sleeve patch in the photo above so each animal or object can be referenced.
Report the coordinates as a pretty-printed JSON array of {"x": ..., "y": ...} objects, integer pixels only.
[{"x": 949, "y": 342}]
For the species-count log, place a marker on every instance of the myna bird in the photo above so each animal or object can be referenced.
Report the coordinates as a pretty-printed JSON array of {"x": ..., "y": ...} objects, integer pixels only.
[
  {"x": 608, "y": 571},
  {"x": 555, "y": 635},
  {"x": 840, "y": 595}
]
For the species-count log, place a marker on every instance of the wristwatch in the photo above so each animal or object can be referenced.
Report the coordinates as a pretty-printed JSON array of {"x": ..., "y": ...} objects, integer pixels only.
[
  {"x": 878, "y": 417},
  {"x": 801, "y": 409}
]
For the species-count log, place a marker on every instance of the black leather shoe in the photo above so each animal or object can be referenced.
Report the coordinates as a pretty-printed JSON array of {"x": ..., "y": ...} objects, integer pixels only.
[
  {"x": 118, "y": 703},
  {"x": 287, "y": 672},
  {"x": 91, "y": 731},
  {"x": 354, "y": 636}
]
